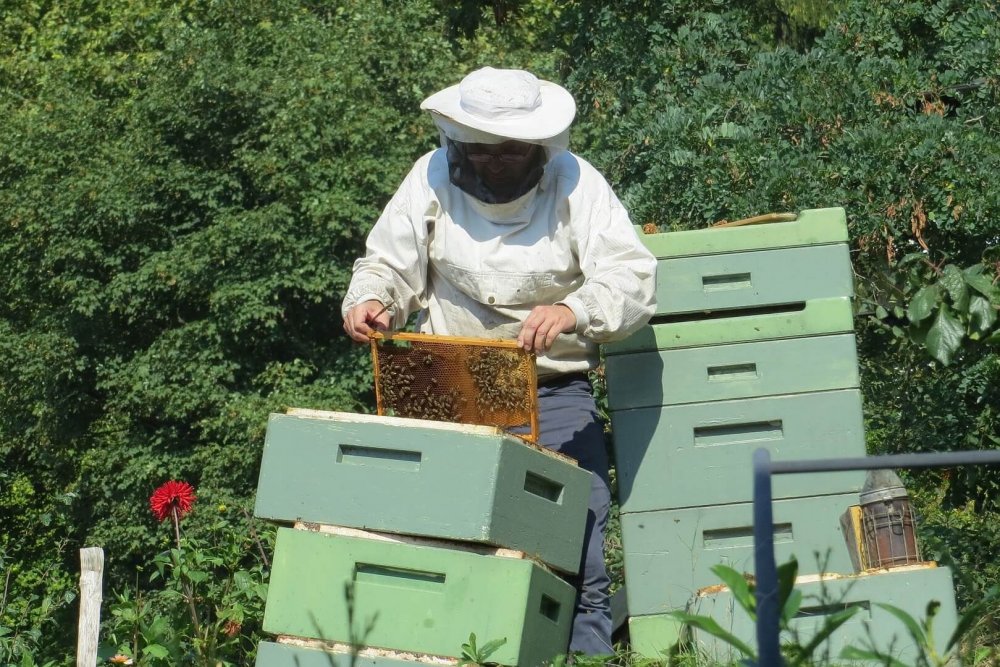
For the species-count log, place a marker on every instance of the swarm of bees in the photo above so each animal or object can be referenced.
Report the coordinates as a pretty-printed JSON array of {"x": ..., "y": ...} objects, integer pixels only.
[
  {"x": 457, "y": 382},
  {"x": 401, "y": 392},
  {"x": 500, "y": 384}
]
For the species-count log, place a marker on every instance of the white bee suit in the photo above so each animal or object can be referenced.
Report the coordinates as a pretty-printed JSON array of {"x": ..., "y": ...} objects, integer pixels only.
[{"x": 477, "y": 269}]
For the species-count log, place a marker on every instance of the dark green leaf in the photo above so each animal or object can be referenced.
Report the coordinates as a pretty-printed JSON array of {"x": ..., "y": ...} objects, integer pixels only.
[
  {"x": 944, "y": 337},
  {"x": 981, "y": 283},
  {"x": 791, "y": 606},
  {"x": 923, "y": 303},
  {"x": 197, "y": 576},
  {"x": 982, "y": 314},
  {"x": 155, "y": 650},
  {"x": 787, "y": 572},
  {"x": 953, "y": 281}
]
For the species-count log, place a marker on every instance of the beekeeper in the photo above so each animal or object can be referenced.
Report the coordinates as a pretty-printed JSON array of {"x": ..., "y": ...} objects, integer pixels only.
[{"x": 504, "y": 233}]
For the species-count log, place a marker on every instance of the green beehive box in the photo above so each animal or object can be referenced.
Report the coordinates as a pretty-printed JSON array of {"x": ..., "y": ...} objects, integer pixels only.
[
  {"x": 910, "y": 588},
  {"x": 654, "y": 635},
  {"x": 409, "y": 597},
  {"x": 272, "y": 654},
  {"x": 668, "y": 554},
  {"x": 700, "y": 454},
  {"x": 753, "y": 280},
  {"x": 739, "y": 370},
  {"x": 811, "y": 227},
  {"x": 435, "y": 479},
  {"x": 813, "y": 318}
]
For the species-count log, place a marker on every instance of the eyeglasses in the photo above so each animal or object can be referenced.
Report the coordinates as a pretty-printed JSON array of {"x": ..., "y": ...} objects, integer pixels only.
[{"x": 504, "y": 158}]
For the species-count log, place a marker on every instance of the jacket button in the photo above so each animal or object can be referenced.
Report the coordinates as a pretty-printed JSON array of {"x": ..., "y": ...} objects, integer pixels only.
[{"x": 491, "y": 300}]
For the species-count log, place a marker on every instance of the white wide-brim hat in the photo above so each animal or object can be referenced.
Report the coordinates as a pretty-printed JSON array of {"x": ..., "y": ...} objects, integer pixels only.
[{"x": 509, "y": 103}]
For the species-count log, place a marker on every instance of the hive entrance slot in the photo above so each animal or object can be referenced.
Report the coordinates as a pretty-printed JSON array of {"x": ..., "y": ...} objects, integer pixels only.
[{"x": 775, "y": 309}]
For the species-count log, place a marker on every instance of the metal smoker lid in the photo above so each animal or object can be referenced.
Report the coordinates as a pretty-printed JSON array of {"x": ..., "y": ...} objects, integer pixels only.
[{"x": 882, "y": 485}]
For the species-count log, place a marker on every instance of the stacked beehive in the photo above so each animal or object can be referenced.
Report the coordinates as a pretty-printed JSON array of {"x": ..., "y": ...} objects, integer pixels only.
[
  {"x": 752, "y": 346},
  {"x": 404, "y": 536}
]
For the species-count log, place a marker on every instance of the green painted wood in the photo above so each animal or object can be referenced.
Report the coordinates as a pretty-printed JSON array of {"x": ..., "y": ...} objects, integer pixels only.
[
  {"x": 411, "y": 476},
  {"x": 700, "y": 454},
  {"x": 539, "y": 506},
  {"x": 739, "y": 370},
  {"x": 909, "y": 589},
  {"x": 416, "y": 598},
  {"x": 271, "y": 654},
  {"x": 817, "y": 317},
  {"x": 668, "y": 553},
  {"x": 653, "y": 636},
  {"x": 812, "y": 227},
  {"x": 690, "y": 286}
]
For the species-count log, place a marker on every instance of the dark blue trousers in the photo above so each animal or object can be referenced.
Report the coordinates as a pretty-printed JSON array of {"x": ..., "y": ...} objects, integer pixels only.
[{"x": 568, "y": 423}]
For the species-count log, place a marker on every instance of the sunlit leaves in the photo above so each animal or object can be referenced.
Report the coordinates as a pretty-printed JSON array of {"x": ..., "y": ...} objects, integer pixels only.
[
  {"x": 981, "y": 283},
  {"x": 183, "y": 189},
  {"x": 958, "y": 308},
  {"x": 923, "y": 303},
  {"x": 983, "y": 316},
  {"x": 945, "y": 336},
  {"x": 953, "y": 281}
]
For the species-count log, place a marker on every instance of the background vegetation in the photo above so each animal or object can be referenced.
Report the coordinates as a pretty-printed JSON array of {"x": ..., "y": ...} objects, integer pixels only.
[{"x": 184, "y": 185}]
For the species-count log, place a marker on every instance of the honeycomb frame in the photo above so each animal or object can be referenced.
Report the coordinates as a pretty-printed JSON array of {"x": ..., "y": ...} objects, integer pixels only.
[{"x": 490, "y": 382}]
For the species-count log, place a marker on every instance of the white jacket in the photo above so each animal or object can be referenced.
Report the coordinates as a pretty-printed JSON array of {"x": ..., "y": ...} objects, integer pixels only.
[{"x": 476, "y": 269}]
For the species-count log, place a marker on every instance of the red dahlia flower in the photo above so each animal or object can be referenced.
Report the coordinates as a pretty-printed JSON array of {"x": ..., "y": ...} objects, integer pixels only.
[{"x": 169, "y": 496}]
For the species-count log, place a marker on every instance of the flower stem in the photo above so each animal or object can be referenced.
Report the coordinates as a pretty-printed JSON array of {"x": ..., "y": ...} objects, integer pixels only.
[
  {"x": 253, "y": 533},
  {"x": 185, "y": 584}
]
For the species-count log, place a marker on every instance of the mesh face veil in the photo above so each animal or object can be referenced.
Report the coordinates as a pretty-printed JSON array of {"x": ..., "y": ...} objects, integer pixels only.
[{"x": 494, "y": 178}]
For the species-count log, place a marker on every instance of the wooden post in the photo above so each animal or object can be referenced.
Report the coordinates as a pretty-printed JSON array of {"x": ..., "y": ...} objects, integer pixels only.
[{"x": 91, "y": 576}]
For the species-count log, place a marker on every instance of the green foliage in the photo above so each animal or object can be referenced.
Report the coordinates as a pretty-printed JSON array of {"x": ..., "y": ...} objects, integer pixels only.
[
  {"x": 473, "y": 654},
  {"x": 965, "y": 540},
  {"x": 942, "y": 307},
  {"x": 804, "y": 652},
  {"x": 697, "y": 116},
  {"x": 37, "y": 596},
  {"x": 183, "y": 188},
  {"x": 209, "y": 607},
  {"x": 26, "y": 621},
  {"x": 717, "y": 126},
  {"x": 921, "y": 633},
  {"x": 789, "y": 602}
]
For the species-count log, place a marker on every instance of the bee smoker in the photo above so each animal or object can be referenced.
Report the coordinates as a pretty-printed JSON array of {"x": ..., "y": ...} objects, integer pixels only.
[{"x": 887, "y": 522}]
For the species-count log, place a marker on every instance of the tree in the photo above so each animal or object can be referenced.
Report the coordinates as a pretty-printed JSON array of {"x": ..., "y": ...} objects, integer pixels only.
[
  {"x": 183, "y": 188},
  {"x": 698, "y": 118}
]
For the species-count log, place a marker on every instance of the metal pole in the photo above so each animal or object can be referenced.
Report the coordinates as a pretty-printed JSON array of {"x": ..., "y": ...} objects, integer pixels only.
[
  {"x": 768, "y": 613},
  {"x": 887, "y": 461},
  {"x": 765, "y": 569}
]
